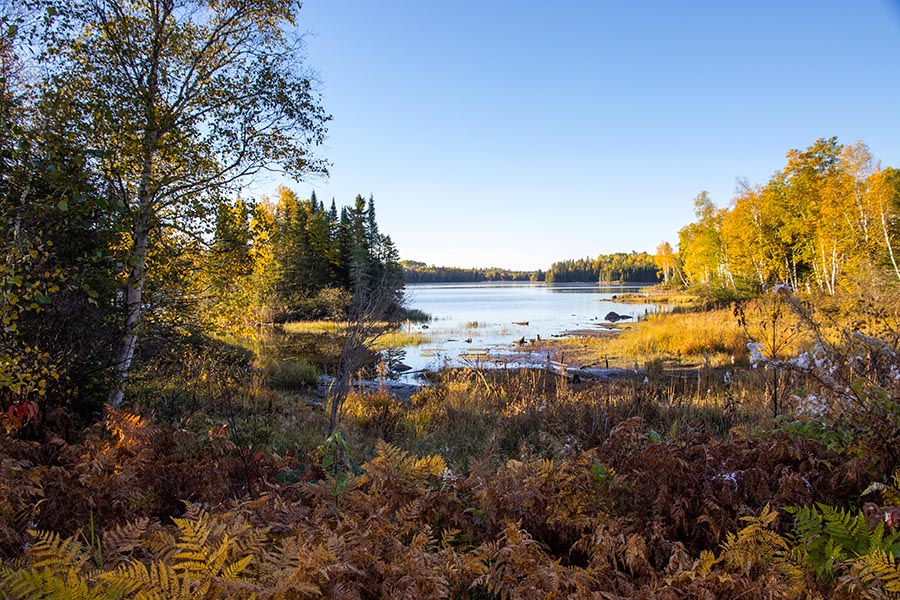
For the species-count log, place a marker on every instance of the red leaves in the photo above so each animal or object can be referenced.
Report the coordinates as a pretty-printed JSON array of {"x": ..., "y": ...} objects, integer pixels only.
[{"x": 17, "y": 415}]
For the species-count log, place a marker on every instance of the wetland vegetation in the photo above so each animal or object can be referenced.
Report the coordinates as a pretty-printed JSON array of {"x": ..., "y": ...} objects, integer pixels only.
[{"x": 167, "y": 431}]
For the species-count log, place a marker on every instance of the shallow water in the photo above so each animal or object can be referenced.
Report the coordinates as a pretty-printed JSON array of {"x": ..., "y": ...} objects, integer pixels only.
[{"x": 479, "y": 324}]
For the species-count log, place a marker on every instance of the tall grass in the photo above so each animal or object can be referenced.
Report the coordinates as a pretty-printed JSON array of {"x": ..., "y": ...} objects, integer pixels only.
[
  {"x": 490, "y": 416},
  {"x": 714, "y": 336},
  {"x": 399, "y": 339},
  {"x": 313, "y": 327},
  {"x": 386, "y": 338}
]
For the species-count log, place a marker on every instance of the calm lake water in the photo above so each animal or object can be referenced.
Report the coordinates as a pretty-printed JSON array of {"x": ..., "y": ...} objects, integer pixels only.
[{"x": 494, "y": 315}]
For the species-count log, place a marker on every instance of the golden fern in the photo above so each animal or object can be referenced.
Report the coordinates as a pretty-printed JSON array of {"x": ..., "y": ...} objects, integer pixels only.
[
  {"x": 198, "y": 557},
  {"x": 701, "y": 567},
  {"x": 755, "y": 543},
  {"x": 877, "y": 569},
  {"x": 392, "y": 462},
  {"x": 55, "y": 553},
  {"x": 159, "y": 581},
  {"x": 47, "y": 583},
  {"x": 130, "y": 430}
]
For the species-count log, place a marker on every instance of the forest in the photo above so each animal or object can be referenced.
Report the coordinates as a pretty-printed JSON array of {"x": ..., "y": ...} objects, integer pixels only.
[
  {"x": 419, "y": 272},
  {"x": 636, "y": 267},
  {"x": 164, "y": 432},
  {"x": 823, "y": 222}
]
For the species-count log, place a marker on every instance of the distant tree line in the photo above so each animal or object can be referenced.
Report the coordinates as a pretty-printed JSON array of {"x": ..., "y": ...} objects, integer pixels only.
[
  {"x": 829, "y": 219},
  {"x": 634, "y": 267},
  {"x": 419, "y": 272}
]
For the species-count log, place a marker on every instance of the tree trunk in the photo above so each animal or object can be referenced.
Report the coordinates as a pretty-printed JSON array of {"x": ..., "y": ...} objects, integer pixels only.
[
  {"x": 134, "y": 289},
  {"x": 134, "y": 292},
  {"x": 887, "y": 241}
]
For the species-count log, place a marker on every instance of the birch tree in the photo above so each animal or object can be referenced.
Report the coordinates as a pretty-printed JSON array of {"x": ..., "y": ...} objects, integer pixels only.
[{"x": 183, "y": 100}]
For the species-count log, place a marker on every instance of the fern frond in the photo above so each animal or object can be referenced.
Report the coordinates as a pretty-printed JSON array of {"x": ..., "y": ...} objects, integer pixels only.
[
  {"x": 233, "y": 570},
  {"x": 880, "y": 569},
  {"x": 216, "y": 560},
  {"x": 162, "y": 545},
  {"x": 391, "y": 461},
  {"x": 807, "y": 524},
  {"x": 119, "y": 543},
  {"x": 34, "y": 583},
  {"x": 851, "y": 533},
  {"x": 159, "y": 580},
  {"x": 57, "y": 554},
  {"x": 754, "y": 544}
]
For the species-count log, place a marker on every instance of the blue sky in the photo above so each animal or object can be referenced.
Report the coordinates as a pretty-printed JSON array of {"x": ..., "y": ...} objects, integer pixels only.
[{"x": 520, "y": 133}]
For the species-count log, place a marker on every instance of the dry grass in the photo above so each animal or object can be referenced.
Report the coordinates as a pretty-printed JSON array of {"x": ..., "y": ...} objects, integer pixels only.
[
  {"x": 712, "y": 336},
  {"x": 313, "y": 327},
  {"x": 490, "y": 416},
  {"x": 665, "y": 297},
  {"x": 400, "y": 339},
  {"x": 397, "y": 338}
]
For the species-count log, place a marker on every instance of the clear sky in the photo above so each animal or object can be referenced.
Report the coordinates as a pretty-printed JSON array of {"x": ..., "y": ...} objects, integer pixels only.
[{"x": 515, "y": 134}]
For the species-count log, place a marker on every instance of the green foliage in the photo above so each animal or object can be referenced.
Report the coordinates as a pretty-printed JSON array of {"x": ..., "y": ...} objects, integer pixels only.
[
  {"x": 57, "y": 276},
  {"x": 824, "y": 537},
  {"x": 419, "y": 272}
]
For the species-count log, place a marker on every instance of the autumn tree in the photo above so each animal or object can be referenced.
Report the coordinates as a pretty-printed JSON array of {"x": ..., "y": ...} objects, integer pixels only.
[
  {"x": 700, "y": 245},
  {"x": 830, "y": 214},
  {"x": 884, "y": 197},
  {"x": 667, "y": 260},
  {"x": 182, "y": 100}
]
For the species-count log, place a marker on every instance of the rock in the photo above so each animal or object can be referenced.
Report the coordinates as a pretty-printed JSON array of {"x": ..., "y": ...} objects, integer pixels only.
[{"x": 613, "y": 316}]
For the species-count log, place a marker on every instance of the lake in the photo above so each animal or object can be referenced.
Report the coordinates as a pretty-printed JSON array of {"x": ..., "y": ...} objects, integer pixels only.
[{"x": 480, "y": 323}]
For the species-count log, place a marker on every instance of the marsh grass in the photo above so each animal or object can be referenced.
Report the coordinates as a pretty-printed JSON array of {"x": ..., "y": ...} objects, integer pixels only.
[
  {"x": 384, "y": 338},
  {"x": 292, "y": 374},
  {"x": 712, "y": 337},
  {"x": 313, "y": 327},
  {"x": 399, "y": 338},
  {"x": 489, "y": 416}
]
